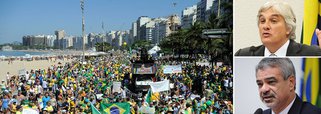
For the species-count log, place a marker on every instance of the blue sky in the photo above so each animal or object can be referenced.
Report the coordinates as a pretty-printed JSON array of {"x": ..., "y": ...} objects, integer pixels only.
[{"x": 35, "y": 17}]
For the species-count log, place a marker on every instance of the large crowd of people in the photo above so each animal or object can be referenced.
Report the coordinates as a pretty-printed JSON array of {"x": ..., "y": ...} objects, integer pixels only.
[{"x": 75, "y": 88}]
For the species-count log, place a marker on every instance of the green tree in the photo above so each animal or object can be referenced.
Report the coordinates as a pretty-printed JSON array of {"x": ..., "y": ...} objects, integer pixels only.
[
  {"x": 103, "y": 46},
  {"x": 224, "y": 50},
  {"x": 141, "y": 44},
  {"x": 191, "y": 41}
]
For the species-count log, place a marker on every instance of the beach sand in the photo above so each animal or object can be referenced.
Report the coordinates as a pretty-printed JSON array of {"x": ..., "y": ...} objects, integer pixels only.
[{"x": 14, "y": 67}]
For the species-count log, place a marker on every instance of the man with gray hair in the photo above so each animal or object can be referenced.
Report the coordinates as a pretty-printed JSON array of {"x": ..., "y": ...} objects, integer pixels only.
[
  {"x": 277, "y": 24},
  {"x": 276, "y": 82}
]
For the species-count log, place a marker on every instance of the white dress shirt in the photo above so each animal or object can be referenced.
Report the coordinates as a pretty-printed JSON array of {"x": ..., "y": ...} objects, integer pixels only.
[
  {"x": 287, "y": 109},
  {"x": 281, "y": 52}
]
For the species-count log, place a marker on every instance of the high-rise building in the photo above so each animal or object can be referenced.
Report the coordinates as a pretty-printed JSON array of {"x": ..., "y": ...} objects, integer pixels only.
[
  {"x": 174, "y": 23},
  {"x": 189, "y": 16},
  {"x": 164, "y": 27},
  {"x": 50, "y": 40},
  {"x": 91, "y": 38},
  {"x": 111, "y": 35},
  {"x": 204, "y": 9},
  {"x": 133, "y": 32},
  {"x": 120, "y": 38},
  {"x": 159, "y": 31},
  {"x": 60, "y": 34},
  {"x": 142, "y": 20},
  {"x": 147, "y": 30},
  {"x": 31, "y": 40},
  {"x": 67, "y": 42}
]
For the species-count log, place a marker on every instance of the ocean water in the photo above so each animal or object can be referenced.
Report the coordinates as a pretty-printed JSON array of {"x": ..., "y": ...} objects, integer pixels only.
[{"x": 20, "y": 53}]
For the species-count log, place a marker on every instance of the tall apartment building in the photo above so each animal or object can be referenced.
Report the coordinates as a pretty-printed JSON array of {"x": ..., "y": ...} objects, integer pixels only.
[
  {"x": 120, "y": 38},
  {"x": 160, "y": 30},
  {"x": 60, "y": 34},
  {"x": 50, "y": 40},
  {"x": 133, "y": 32},
  {"x": 164, "y": 27},
  {"x": 111, "y": 35},
  {"x": 31, "y": 40},
  {"x": 204, "y": 10},
  {"x": 189, "y": 15},
  {"x": 142, "y": 20},
  {"x": 147, "y": 30},
  {"x": 67, "y": 42}
]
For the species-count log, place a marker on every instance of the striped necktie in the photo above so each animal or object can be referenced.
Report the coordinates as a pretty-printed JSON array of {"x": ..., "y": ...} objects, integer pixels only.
[{"x": 272, "y": 55}]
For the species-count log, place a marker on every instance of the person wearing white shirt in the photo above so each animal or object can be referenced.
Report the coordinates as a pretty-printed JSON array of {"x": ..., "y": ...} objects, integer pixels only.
[{"x": 277, "y": 24}]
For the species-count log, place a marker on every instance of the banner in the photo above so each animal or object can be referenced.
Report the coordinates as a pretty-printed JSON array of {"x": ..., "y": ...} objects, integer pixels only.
[
  {"x": 116, "y": 87},
  {"x": 193, "y": 96},
  {"x": 203, "y": 63},
  {"x": 160, "y": 86},
  {"x": 146, "y": 110},
  {"x": 146, "y": 68},
  {"x": 29, "y": 111},
  {"x": 131, "y": 94},
  {"x": 170, "y": 69},
  {"x": 22, "y": 72},
  {"x": 115, "y": 108}
]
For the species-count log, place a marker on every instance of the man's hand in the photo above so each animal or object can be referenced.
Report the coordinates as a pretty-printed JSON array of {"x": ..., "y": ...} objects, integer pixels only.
[{"x": 318, "y": 33}]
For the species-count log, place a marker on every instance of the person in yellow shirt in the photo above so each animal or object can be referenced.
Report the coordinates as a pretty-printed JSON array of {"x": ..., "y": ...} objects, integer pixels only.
[
  {"x": 19, "y": 109},
  {"x": 13, "y": 107},
  {"x": 49, "y": 108}
]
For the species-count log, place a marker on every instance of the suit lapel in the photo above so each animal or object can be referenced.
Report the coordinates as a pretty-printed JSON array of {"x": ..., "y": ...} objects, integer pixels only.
[
  {"x": 293, "y": 49},
  {"x": 259, "y": 51},
  {"x": 296, "y": 107}
]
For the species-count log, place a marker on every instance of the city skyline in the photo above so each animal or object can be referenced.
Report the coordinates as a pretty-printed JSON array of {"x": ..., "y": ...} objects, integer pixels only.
[{"x": 36, "y": 17}]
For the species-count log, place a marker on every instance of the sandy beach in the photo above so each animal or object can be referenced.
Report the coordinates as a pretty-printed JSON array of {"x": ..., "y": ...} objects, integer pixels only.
[{"x": 14, "y": 67}]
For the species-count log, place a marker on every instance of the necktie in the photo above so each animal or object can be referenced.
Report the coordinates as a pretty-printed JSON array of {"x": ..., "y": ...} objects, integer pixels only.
[{"x": 272, "y": 55}]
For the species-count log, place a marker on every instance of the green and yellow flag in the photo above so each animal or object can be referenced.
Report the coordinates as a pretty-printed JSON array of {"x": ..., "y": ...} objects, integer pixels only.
[
  {"x": 148, "y": 96},
  {"x": 311, "y": 81},
  {"x": 94, "y": 110},
  {"x": 115, "y": 108}
]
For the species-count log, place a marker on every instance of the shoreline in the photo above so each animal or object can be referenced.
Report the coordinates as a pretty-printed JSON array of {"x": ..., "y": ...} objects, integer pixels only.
[
  {"x": 13, "y": 67},
  {"x": 45, "y": 53}
]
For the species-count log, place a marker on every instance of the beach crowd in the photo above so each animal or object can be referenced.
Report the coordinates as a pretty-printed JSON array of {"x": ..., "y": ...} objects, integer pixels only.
[{"x": 76, "y": 88}]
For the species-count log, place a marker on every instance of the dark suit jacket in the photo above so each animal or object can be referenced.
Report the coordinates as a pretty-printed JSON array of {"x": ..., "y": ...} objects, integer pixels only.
[
  {"x": 300, "y": 107},
  {"x": 294, "y": 49}
]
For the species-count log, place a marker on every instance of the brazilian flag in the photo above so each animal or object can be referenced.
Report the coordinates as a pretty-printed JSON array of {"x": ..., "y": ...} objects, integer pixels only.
[
  {"x": 94, "y": 110},
  {"x": 310, "y": 83},
  {"x": 311, "y": 21},
  {"x": 148, "y": 96},
  {"x": 115, "y": 108}
]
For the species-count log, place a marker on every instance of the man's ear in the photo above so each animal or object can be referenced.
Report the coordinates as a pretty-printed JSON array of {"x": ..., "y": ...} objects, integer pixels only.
[
  {"x": 292, "y": 83},
  {"x": 288, "y": 30}
]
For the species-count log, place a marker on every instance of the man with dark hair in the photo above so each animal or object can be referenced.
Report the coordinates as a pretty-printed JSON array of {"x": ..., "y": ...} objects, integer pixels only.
[{"x": 275, "y": 78}]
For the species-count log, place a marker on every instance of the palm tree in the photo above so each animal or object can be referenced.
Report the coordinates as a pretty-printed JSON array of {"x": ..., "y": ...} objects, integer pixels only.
[
  {"x": 194, "y": 38},
  {"x": 222, "y": 49}
]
